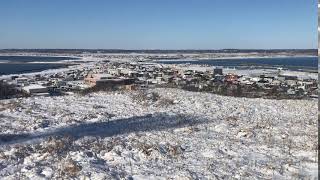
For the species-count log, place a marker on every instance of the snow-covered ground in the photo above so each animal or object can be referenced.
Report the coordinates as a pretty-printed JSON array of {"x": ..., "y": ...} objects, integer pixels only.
[{"x": 161, "y": 134}]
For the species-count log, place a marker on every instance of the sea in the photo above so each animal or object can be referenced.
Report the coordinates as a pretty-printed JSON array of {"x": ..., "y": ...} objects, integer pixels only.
[
  {"x": 291, "y": 63},
  {"x": 27, "y": 64}
]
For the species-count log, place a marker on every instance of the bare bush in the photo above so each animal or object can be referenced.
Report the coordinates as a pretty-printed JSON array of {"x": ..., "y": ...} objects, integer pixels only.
[
  {"x": 146, "y": 98},
  {"x": 140, "y": 96},
  {"x": 165, "y": 102},
  {"x": 232, "y": 120},
  {"x": 146, "y": 148},
  {"x": 57, "y": 145},
  {"x": 69, "y": 168}
]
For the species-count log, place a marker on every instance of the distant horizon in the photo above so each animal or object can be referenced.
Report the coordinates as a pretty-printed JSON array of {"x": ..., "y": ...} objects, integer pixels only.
[{"x": 158, "y": 49}]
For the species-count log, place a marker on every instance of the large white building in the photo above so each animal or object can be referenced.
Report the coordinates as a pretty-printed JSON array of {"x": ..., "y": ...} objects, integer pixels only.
[{"x": 35, "y": 89}]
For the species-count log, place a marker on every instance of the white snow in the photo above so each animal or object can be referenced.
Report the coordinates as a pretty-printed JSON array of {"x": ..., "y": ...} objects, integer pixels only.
[{"x": 113, "y": 135}]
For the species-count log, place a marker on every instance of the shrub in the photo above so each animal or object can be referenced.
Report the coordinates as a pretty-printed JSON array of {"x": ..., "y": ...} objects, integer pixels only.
[
  {"x": 70, "y": 168},
  {"x": 8, "y": 90},
  {"x": 154, "y": 96},
  {"x": 165, "y": 102}
]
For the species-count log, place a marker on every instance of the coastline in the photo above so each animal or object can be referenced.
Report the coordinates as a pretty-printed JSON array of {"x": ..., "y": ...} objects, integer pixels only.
[
  {"x": 234, "y": 57},
  {"x": 86, "y": 61}
]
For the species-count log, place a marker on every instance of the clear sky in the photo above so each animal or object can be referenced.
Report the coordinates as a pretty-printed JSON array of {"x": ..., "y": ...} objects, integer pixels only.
[{"x": 158, "y": 24}]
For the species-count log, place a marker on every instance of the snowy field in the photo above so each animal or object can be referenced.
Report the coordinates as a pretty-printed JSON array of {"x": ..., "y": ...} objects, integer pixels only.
[{"x": 160, "y": 134}]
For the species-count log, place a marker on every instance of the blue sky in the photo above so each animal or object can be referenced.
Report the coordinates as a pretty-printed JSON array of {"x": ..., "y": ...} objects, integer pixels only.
[{"x": 158, "y": 24}]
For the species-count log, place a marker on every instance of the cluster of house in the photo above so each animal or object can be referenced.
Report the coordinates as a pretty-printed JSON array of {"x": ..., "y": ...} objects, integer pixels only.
[
  {"x": 143, "y": 75},
  {"x": 48, "y": 84}
]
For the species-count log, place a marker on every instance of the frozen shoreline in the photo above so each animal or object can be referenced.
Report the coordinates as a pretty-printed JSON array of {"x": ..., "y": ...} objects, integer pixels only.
[
  {"x": 87, "y": 61},
  {"x": 231, "y": 58}
]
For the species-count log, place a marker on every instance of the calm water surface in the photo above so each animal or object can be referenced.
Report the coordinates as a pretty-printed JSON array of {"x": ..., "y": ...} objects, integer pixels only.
[{"x": 21, "y": 64}]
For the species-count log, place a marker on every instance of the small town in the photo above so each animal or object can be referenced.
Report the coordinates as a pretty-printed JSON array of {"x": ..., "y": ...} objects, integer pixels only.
[{"x": 106, "y": 75}]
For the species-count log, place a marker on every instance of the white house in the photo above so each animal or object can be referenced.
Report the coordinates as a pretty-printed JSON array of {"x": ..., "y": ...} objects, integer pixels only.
[
  {"x": 34, "y": 89},
  {"x": 21, "y": 80}
]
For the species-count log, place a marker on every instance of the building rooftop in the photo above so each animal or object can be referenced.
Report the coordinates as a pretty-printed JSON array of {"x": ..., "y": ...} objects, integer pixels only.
[
  {"x": 33, "y": 86},
  {"x": 101, "y": 76}
]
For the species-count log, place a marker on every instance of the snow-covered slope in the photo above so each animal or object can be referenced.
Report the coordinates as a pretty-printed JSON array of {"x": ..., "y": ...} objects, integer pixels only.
[{"x": 160, "y": 134}]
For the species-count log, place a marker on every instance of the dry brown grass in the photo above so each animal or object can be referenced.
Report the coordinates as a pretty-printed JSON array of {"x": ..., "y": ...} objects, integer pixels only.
[
  {"x": 57, "y": 145},
  {"x": 146, "y": 148},
  {"x": 69, "y": 168},
  {"x": 231, "y": 120},
  {"x": 165, "y": 102},
  {"x": 146, "y": 98}
]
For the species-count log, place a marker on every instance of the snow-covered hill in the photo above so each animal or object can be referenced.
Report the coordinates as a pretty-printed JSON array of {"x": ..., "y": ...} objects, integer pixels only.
[{"x": 159, "y": 134}]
